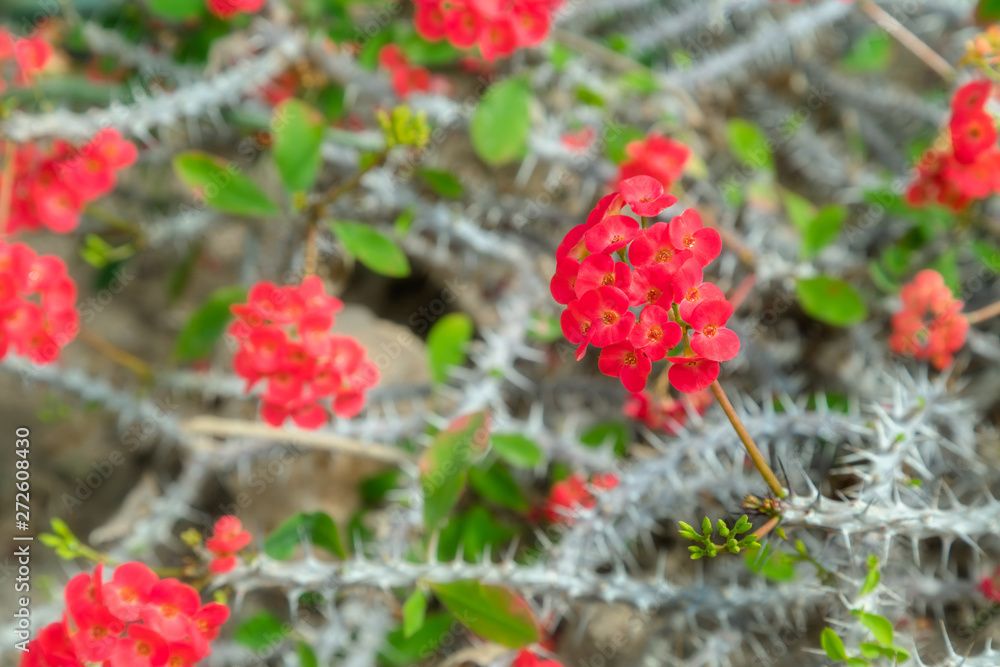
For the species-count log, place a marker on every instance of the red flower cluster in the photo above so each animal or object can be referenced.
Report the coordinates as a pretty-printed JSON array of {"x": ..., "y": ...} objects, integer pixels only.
[
  {"x": 31, "y": 54},
  {"x": 228, "y": 537},
  {"x": 970, "y": 167},
  {"x": 407, "y": 78},
  {"x": 498, "y": 27},
  {"x": 285, "y": 338},
  {"x": 656, "y": 156},
  {"x": 664, "y": 414},
  {"x": 990, "y": 586},
  {"x": 526, "y": 658},
  {"x": 226, "y": 9},
  {"x": 664, "y": 269},
  {"x": 35, "y": 329},
  {"x": 134, "y": 620},
  {"x": 569, "y": 495},
  {"x": 51, "y": 188},
  {"x": 931, "y": 324}
]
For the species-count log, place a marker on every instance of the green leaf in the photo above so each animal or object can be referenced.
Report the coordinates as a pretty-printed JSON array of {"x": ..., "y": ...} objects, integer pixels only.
[
  {"x": 857, "y": 662},
  {"x": 501, "y": 123},
  {"x": 261, "y": 632},
  {"x": 618, "y": 140},
  {"x": 498, "y": 486},
  {"x": 375, "y": 488},
  {"x": 880, "y": 627},
  {"x": 207, "y": 325},
  {"x": 480, "y": 530},
  {"x": 222, "y": 186},
  {"x": 373, "y": 249},
  {"x": 871, "y": 52},
  {"x": 872, "y": 578},
  {"x": 614, "y": 433},
  {"x": 298, "y": 136},
  {"x": 830, "y": 300},
  {"x": 404, "y": 221},
  {"x": 988, "y": 11},
  {"x": 774, "y": 565},
  {"x": 307, "y": 658},
  {"x": 493, "y": 612},
  {"x": 446, "y": 344},
  {"x": 318, "y": 527},
  {"x": 823, "y": 229},
  {"x": 445, "y": 464},
  {"x": 833, "y": 645},
  {"x": 870, "y": 650},
  {"x": 414, "y": 612},
  {"x": 947, "y": 266},
  {"x": 516, "y": 449},
  {"x": 588, "y": 97},
  {"x": 749, "y": 144},
  {"x": 988, "y": 254},
  {"x": 177, "y": 10},
  {"x": 401, "y": 651},
  {"x": 800, "y": 211},
  {"x": 442, "y": 183}
]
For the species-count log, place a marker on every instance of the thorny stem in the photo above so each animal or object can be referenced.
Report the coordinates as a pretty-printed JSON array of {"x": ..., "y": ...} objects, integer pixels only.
[
  {"x": 741, "y": 431},
  {"x": 7, "y": 185},
  {"x": 318, "y": 210},
  {"x": 983, "y": 314},
  {"x": 914, "y": 44},
  {"x": 116, "y": 354}
]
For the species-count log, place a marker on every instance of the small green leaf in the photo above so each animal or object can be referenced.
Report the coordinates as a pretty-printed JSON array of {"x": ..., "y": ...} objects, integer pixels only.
[
  {"x": 870, "y": 53},
  {"x": 870, "y": 650},
  {"x": 857, "y": 662},
  {"x": 498, "y": 486},
  {"x": 988, "y": 254},
  {"x": 501, "y": 123},
  {"x": 872, "y": 578},
  {"x": 774, "y": 565},
  {"x": 493, "y": 612},
  {"x": 298, "y": 136},
  {"x": 373, "y": 249},
  {"x": 442, "y": 183},
  {"x": 987, "y": 12},
  {"x": 880, "y": 627},
  {"x": 307, "y": 658},
  {"x": 262, "y": 632},
  {"x": 830, "y": 300},
  {"x": 375, "y": 488},
  {"x": 401, "y": 651},
  {"x": 749, "y": 144},
  {"x": 614, "y": 433},
  {"x": 445, "y": 464},
  {"x": 823, "y": 229},
  {"x": 318, "y": 527},
  {"x": 481, "y": 530},
  {"x": 207, "y": 325},
  {"x": 177, "y": 10},
  {"x": 947, "y": 266},
  {"x": 446, "y": 344},
  {"x": 414, "y": 612},
  {"x": 404, "y": 221},
  {"x": 516, "y": 449},
  {"x": 833, "y": 645},
  {"x": 800, "y": 211},
  {"x": 618, "y": 139},
  {"x": 222, "y": 186}
]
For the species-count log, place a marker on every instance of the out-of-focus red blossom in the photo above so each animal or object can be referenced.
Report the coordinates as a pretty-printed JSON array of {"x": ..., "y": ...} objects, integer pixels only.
[
  {"x": 930, "y": 324},
  {"x": 665, "y": 266},
  {"x": 665, "y": 414},
  {"x": 37, "y": 297},
  {"x": 990, "y": 586},
  {"x": 580, "y": 140},
  {"x": 526, "y": 658},
  {"x": 969, "y": 168},
  {"x": 656, "y": 156},
  {"x": 571, "y": 494},
  {"x": 497, "y": 27},
  {"x": 102, "y": 623},
  {"x": 51, "y": 187},
  {"x": 29, "y": 54},
  {"x": 227, "y": 538},
  {"x": 285, "y": 339},
  {"x": 280, "y": 88},
  {"x": 226, "y": 9},
  {"x": 407, "y": 78}
]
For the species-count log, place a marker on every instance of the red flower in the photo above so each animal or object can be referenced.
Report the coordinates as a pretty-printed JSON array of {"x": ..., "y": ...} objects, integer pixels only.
[
  {"x": 930, "y": 324},
  {"x": 570, "y": 494},
  {"x": 141, "y": 647},
  {"x": 96, "y": 634},
  {"x": 665, "y": 414},
  {"x": 655, "y": 333},
  {"x": 607, "y": 310},
  {"x": 526, "y": 658},
  {"x": 712, "y": 339},
  {"x": 577, "y": 328},
  {"x": 598, "y": 270},
  {"x": 612, "y": 233},
  {"x": 971, "y": 98},
  {"x": 225, "y": 9},
  {"x": 697, "y": 294},
  {"x": 625, "y": 361},
  {"x": 650, "y": 284},
  {"x": 84, "y": 592},
  {"x": 645, "y": 195},
  {"x": 563, "y": 283},
  {"x": 228, "y": 537},
  {"x": 691, "y": 374},
  {"x": 182, "y": 654},
  {"x": 656, "y": 156},
  {"x": 971, "y": 135},
  {"x": 652, "y": 245},
  {"x": 128, "y": 591},
  {"x": 497, "y": 28},
  {"x": 170, "y": 609},
  {"x": 574, "y": 244},
  {"x": 687, "y": 233}
]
